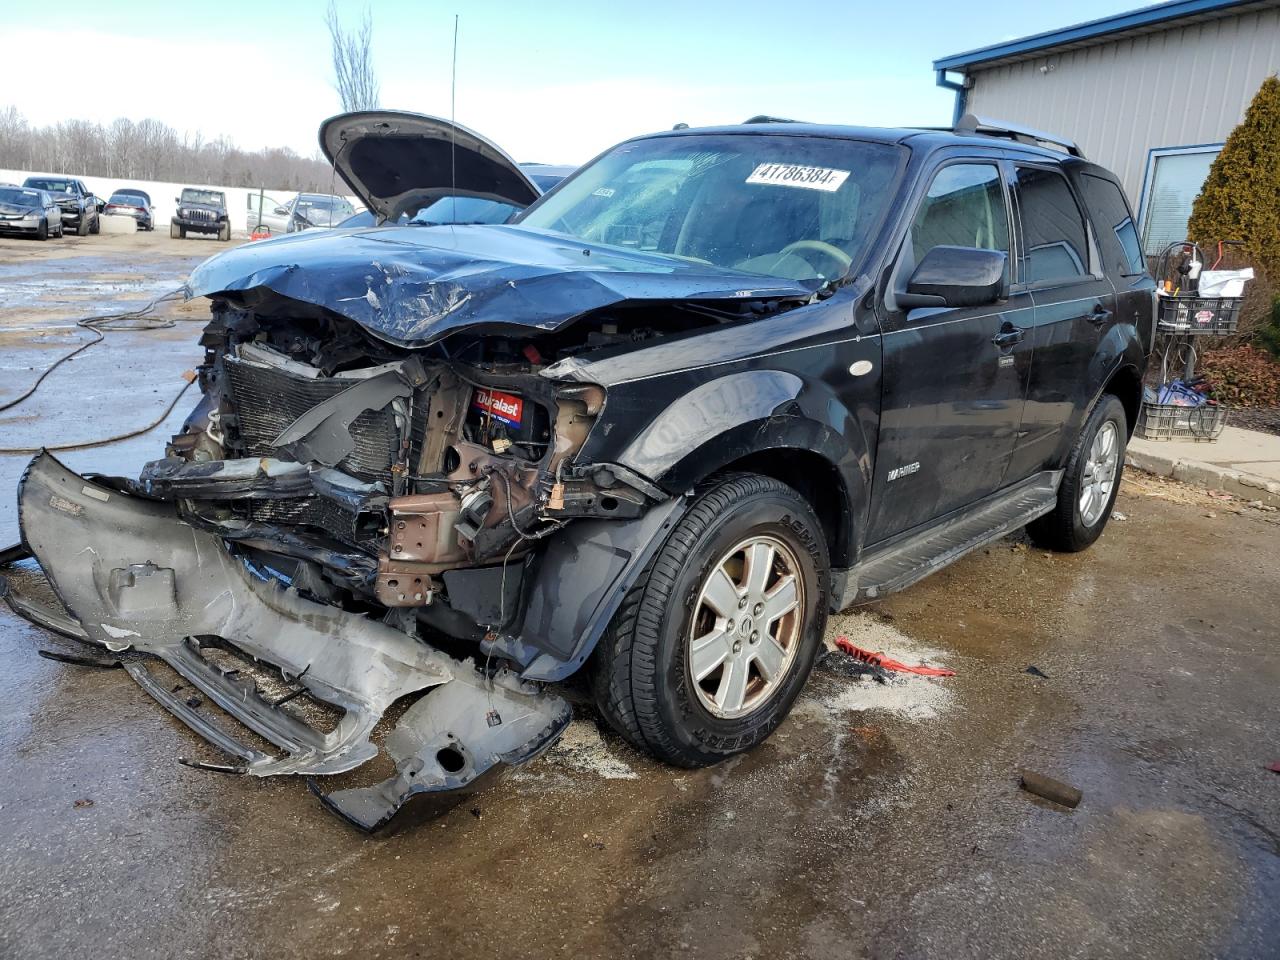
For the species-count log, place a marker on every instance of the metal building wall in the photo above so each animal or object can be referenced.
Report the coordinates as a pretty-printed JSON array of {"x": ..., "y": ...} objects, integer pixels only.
[{"x": 1178, "y": 87}]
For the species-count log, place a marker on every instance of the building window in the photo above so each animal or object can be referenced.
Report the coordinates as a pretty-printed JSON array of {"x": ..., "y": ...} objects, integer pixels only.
[{"x": 1172, "y": 183}]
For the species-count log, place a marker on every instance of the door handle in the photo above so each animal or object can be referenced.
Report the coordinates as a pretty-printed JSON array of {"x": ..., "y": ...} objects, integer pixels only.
[
  {"x": 1100, "y": 314},
  {"x": 1008, "y": 337}
]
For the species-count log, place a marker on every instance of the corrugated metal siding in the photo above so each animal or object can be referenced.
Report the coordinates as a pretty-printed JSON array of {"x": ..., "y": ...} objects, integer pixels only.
[{"x": 1183, "y": 86}]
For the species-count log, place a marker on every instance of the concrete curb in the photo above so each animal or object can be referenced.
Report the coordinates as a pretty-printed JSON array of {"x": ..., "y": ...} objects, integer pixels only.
[{"x": 1238, "y": 484}]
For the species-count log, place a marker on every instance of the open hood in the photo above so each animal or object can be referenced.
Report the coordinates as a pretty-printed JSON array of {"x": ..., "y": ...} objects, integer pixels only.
[{"x": 396, "y": 161}]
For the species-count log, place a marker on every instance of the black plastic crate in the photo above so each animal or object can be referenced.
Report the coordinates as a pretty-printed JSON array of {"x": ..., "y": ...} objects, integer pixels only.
[
  {"x": 1171, "y": 421},
  {"x": 1203, "y": 316}
]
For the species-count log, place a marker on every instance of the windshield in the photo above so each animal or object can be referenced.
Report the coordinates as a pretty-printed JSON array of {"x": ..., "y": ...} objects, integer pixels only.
[
  {"x": 20, "y": 198},
  {"x": 53, "y": 186},
  {"x": 212, "y": 197},
  {"x": 324, "y": 204},
  {"x": 546, "y": 181},
  {"x": 321, "y": 210},
  {"x": 797, "y": 207}
]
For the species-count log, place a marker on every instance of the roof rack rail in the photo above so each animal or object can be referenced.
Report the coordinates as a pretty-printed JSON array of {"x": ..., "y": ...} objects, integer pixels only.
[{"x": 970, "y": 125}]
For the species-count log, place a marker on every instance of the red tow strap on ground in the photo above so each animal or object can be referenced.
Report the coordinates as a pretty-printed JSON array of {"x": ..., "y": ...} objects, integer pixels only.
[{"x": 880, "y": 660}]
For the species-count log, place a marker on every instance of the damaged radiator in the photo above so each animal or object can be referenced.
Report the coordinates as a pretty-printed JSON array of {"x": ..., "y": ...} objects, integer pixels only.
[
  {"x": 320, "y": 513},
  {"x": 266, "y": 400}
]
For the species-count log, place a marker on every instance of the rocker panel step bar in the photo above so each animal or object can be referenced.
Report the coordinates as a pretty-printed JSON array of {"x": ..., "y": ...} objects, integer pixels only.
[{"x": 899, "y": 564}]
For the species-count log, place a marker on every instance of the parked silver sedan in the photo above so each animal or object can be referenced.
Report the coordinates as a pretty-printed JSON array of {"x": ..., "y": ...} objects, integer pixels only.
[
  {"x": 304, "y": 212},
  {"x": 26, "y": 210}
]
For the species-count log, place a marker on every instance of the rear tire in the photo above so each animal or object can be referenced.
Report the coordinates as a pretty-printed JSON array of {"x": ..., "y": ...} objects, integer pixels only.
[
  {"x": 1090, "y": 482},
  {"x": 643, "y": 670}
]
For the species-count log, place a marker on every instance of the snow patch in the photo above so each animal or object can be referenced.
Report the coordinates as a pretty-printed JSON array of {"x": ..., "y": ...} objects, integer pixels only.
[
  {"x": 904, "y": 695},
  {"x": 582, "y": 749}
]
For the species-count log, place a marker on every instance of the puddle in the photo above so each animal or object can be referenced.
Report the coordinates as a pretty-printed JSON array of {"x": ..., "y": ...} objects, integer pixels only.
[{"x": 77, "y": 280}]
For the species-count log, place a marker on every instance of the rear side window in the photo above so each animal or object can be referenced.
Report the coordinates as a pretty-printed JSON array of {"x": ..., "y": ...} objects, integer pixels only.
[
  {"x": 1055, "y": 245},
  {"x": 963, "y": 208},
  {"x": 1114, "y": 224}
]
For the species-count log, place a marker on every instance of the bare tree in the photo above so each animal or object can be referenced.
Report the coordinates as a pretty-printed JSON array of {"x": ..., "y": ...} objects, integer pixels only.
[
  {"x": 151, "y": 150},
  {"x": 353, "y": 75}
]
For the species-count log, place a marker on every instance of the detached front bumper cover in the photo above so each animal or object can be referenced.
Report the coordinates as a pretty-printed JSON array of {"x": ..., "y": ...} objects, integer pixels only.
[{"x": 133, "y": 576}]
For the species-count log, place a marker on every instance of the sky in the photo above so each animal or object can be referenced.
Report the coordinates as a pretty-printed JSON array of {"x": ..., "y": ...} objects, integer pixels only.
[{"x": 549, "y": 81}]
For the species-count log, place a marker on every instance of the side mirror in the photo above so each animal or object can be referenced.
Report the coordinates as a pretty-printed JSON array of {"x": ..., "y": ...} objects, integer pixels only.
[
  {"x": 281, "y": 212},
  {"x": 957, "y": 277},
  {"x": 176, "y": 200}
]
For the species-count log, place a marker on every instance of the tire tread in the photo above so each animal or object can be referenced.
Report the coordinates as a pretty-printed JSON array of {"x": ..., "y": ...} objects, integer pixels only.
[{"x": 625, "y": 672}]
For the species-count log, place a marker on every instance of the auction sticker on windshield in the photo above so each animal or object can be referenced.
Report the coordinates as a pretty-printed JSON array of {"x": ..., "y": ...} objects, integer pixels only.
[{"x": 794, "y": 175}]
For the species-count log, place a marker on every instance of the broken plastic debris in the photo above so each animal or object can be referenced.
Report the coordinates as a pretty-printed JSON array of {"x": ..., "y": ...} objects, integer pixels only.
[
  {"x": 880, "y": 660},
  {"x": 1051, "y": 789}
]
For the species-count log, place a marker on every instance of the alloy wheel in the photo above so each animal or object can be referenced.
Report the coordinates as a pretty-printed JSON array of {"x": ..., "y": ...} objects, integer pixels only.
[
  {"x": 746, "y": 626},
  {"x": 1099, "y": 473}
]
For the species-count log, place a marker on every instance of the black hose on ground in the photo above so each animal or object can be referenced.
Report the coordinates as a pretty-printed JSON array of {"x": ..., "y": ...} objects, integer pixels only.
[{"x": 138, "y": 319}]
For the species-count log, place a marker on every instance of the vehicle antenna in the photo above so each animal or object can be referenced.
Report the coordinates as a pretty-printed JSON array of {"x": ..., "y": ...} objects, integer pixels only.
[{"x": 453, "y": 128}]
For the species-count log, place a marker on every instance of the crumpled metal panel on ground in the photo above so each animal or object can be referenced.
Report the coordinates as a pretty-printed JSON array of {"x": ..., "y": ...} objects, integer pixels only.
[{"x": 134, "y": 576}]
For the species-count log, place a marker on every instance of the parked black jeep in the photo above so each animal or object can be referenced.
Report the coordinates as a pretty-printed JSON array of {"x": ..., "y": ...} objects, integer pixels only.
[
  {"x": 78, "y": 205},
  {"x": 200, "y": 211},
  {"x": 712, "y": 386}
]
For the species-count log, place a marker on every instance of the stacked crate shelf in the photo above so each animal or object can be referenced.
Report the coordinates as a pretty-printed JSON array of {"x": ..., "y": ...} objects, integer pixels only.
[{"x": 1181, "y": 320}]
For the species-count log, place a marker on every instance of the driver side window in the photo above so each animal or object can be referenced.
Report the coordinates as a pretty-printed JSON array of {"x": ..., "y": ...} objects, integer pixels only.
[{"x": 963, "y": 208}]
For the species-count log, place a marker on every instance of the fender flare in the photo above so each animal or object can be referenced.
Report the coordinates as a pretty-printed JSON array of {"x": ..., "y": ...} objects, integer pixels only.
[
  {"x": 1116, "y": 353},
  {"x": 600, "y": 560},
  {"x": 744, "y": 413}
]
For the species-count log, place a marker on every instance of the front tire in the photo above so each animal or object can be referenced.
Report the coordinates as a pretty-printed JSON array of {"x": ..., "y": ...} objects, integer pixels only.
[
  {"x": 96, "y": 226},
  {"x": 42, "y": 231},
  {"x": 1090, "y": 482},
  {"x": 715, "y": 641},
  {"x": 224, "y": 232},
  {"x": 82, "y": 226}
]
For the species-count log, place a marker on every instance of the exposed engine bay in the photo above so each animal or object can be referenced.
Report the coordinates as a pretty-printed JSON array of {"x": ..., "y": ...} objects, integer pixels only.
[
  {"x": 375, "y": 470},
  {"x": 359, "y": 519}
]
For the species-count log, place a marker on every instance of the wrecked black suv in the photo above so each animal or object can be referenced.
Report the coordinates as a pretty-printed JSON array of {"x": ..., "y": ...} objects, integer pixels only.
[{"x": 714, "y": 385}]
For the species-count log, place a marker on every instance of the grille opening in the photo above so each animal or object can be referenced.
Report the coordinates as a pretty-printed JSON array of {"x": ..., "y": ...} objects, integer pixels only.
[{"x": 272, "y": 686}]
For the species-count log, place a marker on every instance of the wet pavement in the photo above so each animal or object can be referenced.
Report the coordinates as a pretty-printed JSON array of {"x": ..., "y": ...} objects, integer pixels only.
[{"x": 882, "y": 820}]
